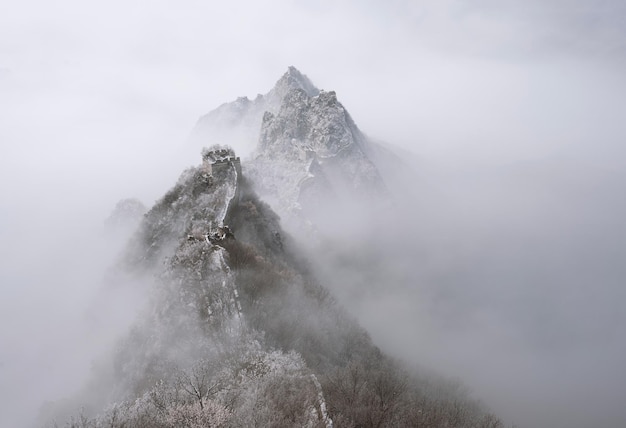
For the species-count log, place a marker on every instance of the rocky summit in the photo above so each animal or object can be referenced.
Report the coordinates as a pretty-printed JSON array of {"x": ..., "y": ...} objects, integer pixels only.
[{"x": 308, "y": 152}]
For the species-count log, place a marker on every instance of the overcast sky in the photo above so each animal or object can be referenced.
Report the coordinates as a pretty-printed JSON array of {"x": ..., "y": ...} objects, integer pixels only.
[
  {"x": 489, "y": 67},
  {"x": 96, "y": 99}
]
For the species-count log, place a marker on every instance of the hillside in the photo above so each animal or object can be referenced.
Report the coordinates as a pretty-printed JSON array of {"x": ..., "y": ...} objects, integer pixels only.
[{"x": 240, "y": 333}]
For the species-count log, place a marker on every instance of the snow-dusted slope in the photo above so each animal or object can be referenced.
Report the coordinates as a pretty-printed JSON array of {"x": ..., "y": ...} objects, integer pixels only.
[{"x": 311, "y": 153}]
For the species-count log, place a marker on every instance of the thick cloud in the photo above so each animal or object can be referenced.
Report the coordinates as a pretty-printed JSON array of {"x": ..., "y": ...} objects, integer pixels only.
[{"x": 512, "y": 107}]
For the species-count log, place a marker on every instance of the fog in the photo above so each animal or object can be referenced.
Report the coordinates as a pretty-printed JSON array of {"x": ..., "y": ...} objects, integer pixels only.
[
  {"x": 513, "y": 285},
  {"x": 513, "y": 113}
]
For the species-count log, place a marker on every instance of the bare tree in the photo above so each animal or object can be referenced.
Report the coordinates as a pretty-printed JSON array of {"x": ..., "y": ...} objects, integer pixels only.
[{"x": 200, "y": 382}]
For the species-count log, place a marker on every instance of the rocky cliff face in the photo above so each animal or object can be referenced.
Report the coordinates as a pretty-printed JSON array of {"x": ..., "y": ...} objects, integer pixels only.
[{"x": 311, "y": 154}]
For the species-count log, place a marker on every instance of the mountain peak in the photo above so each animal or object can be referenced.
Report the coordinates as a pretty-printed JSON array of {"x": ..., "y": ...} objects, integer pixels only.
[
  {"x": 294, "y": 79},
  {"x": 293, "y": 71}
]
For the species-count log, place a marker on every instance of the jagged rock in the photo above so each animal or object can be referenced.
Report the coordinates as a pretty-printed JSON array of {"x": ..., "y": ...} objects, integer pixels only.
[{"x": 310, "y": 148}]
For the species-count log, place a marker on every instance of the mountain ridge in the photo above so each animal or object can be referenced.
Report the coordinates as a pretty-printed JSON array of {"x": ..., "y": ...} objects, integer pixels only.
[{"x": 239, "y": 331}]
